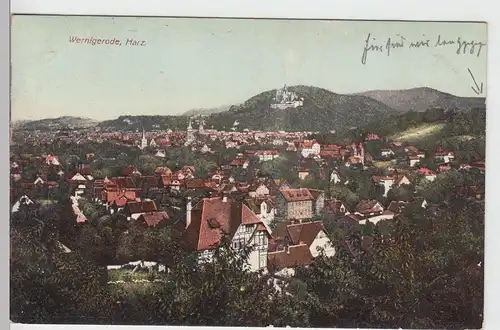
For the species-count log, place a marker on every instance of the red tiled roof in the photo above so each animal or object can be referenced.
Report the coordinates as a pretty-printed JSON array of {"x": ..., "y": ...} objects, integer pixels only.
[
  {"x": 330, "y": 154},
  {"x": 121, "y": 201},
  {"x": 333, "y": 206},
  {"x": 331, "y": 147},
  {"x": 411, "y": 149},
  {"x": 195, "y": 184},
  {"x": 123, "y": 182},
  {"x": 163, "y": 170},
  {"x": 110, "y": 196},
  {"x": 212, "y": 217},
  {"x": 150, "y": 180},
  {"x": 162, "y": 142},
  {"x": 297, "y": 195},
  {"x": 266, "y": 152},
  {"x": 295, "y": 256},
  {"x": 315, "y": 193},
  {"x": 165, "y": 179},
  {"x": 141, "y": 207},
  {"x": 154, "y": 218},
  {"x": 299, "y": 233},
  {"x": 425, "y": 171},
  {"x": 307, "y": 144},
  {"x": 127, "y": 171},
  {"x": 371, "y": 137},
  {"x": 188, "y": 169},
  {"x": 367, "y": 206},
  {"x": 248, "y": 217}
]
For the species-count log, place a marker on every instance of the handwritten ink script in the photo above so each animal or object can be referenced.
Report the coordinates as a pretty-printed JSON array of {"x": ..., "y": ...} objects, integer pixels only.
[
  {"x": 393, "y": 44},
  {"x": 92, "y": 41}
]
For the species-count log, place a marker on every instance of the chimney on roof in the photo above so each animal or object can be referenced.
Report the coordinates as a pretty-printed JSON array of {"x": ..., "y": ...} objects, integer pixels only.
[
  {"x": 188, "y": 212},
  {"x": 224, "y": 198}
]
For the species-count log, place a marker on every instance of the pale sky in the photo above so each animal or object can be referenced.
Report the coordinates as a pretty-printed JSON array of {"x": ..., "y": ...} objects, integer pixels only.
[{"x": 199, "y": 63}]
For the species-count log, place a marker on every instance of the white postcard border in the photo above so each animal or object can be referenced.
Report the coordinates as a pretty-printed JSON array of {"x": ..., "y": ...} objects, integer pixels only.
[{"x": 449, "y": 10}]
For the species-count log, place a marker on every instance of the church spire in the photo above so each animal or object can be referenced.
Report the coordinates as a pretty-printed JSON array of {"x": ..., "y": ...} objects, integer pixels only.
[{"x": 144, "y": 141}]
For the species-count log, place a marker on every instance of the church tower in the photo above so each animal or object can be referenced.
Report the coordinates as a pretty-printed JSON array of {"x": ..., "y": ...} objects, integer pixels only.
[
  {"x": 144, "y": 141},
  {"x": 362, "y": 153},
  {"x": 200, "y": 128},
  {"x": 354, "y": 149},
  {"x": 190, "y": 134}
]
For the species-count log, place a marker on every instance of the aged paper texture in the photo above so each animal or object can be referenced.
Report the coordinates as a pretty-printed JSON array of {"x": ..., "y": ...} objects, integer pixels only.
[{"x": 247, "y": 172}]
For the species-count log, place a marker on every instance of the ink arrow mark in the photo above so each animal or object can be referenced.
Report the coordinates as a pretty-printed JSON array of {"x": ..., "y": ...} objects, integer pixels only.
[{"x": 478, "y": 90}]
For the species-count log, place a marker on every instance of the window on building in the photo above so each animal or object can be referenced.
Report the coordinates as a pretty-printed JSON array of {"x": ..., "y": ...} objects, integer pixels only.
[
  {"x": 261, "y": 239},
  {"x": 238, "y": 244}
]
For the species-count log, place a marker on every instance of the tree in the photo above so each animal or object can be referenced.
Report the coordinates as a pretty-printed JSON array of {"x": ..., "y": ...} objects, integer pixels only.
[
  {"x": 345, "y": 195},
  {"x": 29, "y": 173},
  {"x": 222, "y": 292},
  {"x": 47, "y": 285},
  {"x": 148, "y": 164},
  {"x": 203, "y": 167},
  {"x": 399, "y": 193}
]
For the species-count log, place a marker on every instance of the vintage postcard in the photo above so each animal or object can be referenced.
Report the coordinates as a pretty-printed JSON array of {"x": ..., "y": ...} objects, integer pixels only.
[{"x": 247, "y": 172}]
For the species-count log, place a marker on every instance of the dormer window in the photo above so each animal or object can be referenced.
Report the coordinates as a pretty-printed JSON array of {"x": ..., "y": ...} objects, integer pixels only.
[{"x": 213, "y": 223}]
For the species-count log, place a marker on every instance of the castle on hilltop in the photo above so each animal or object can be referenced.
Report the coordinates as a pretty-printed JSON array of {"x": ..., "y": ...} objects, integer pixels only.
[{"x": 286, "y": 99}]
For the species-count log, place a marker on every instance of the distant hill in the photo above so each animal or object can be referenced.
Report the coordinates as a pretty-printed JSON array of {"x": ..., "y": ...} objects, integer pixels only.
[
  {"x": 422, "y": 98},
  {"x": 206, "y": 112},
  {"x": 15, "y": 124},
  {"x": 322, "y": 110},
  {"x": 65, "y": 122},
  {"x": 150, "y": 123}
]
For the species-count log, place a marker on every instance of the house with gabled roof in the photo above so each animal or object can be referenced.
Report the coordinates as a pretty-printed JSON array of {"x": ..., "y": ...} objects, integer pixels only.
[
  {"x": 258, "y": 189},
  {"x": 303, "y": 172},
  {"x": 387, "y": 182},
  {"x": 444, "y": 156},
  {"x": 133, "y": 209},
  {"x": 427, "y": 174},
  {"x": 297, "y": 244},
  {"x": 263, "y": 207},
  {"x": 211, "y": 218},
  {"x": 335, "y": 208},
  {"x": 397, "y": 206},
  {"x": 370, "y": 210},
  {"x": 23, "y": 200},
  {"x": 335, "y": 177},
  {"x": 153, "y": 219},
  {"x": 295, "y": 204},
  {"x": 118, "y": 198},
  {"x": 318, "y": 200},
  {"x": 52, "y": 160},
  {"x": 163, "y": 171}
]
